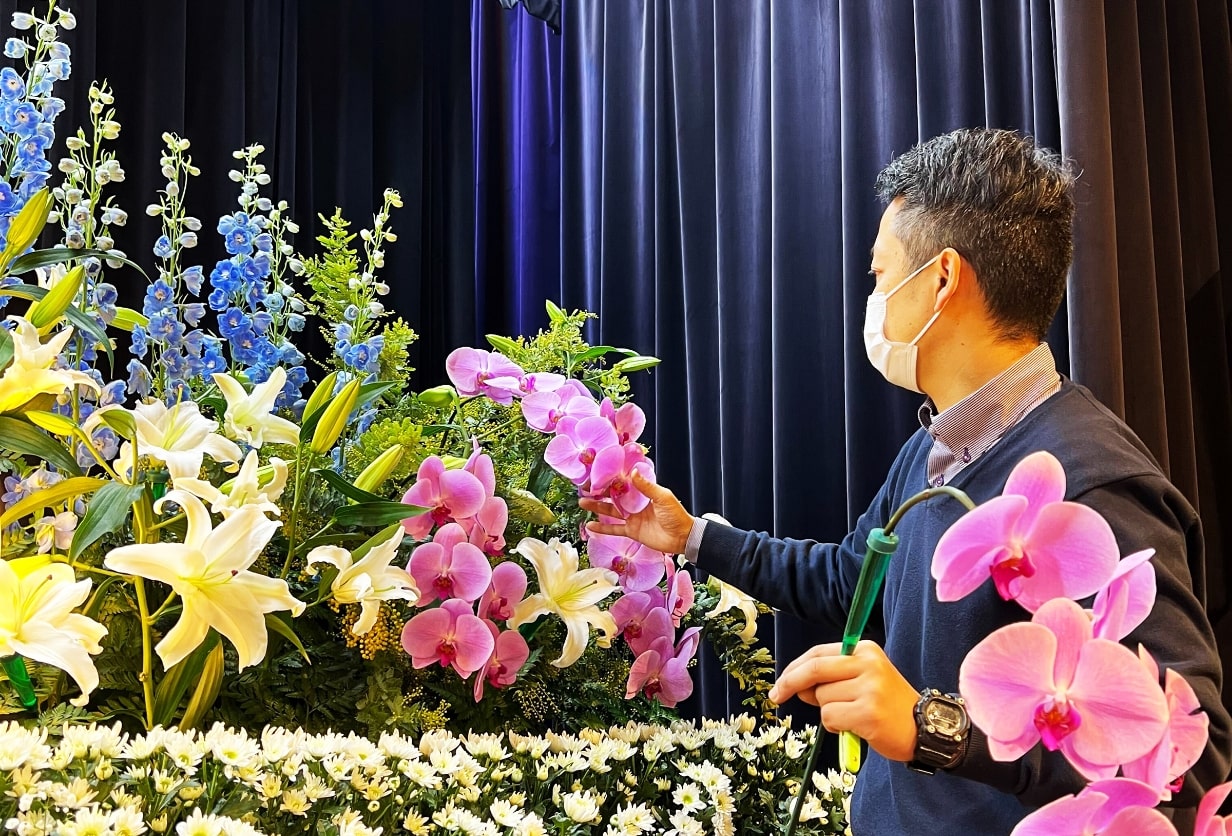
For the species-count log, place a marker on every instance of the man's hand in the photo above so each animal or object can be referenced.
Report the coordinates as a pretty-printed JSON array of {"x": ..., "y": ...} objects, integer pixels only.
[
  {"x": 664, "y": 524},
  {"x": 862, "y": 693}
]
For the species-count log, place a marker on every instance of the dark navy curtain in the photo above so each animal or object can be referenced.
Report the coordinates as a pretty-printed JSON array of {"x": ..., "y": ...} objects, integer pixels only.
[{"x": 718, "y": 213}]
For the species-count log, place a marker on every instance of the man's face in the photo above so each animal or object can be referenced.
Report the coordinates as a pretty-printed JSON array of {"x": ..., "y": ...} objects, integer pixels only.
[{"x": 908, "y": 310}]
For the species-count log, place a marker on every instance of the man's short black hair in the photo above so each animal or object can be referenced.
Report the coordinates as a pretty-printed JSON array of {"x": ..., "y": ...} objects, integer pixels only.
[{"x": 1005, "y": 204}]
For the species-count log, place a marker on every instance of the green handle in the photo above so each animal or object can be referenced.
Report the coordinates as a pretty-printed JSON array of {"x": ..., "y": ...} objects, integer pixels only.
[
  {"x": 880, "y": 546},
  {"x": 15, "y": 668}
]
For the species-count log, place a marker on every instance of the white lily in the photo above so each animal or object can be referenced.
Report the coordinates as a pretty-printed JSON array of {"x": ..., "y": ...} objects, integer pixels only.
[
  {"x": 209, "y": 571},
  {"x": 250, "y": 415},
  {"x": 179, "y": 436},
  {"x": 368, "y": 582},
  {"x": 244, "y": 489},
  {"x": 732, "y": 598},
  {"x": 566, "y": 592},
  {"x": 29, "y": 374},
  {"x": 37, "y": 599}
]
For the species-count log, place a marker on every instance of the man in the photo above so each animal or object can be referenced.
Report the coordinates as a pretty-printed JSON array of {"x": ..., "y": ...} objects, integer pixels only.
[{"x": 970, "y": 264}]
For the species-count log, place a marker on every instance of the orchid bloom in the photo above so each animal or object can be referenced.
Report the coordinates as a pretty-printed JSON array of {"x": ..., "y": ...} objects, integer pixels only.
[
  {"x": 209, "y": 571},
  {"x": 486, "y": 530},
  {"x": 662, "y": 673},
  {"x": 544, "y": 411},
  {"x": 642, "y": 617},
  {"x": 578, "y": 441},
  {"x": 178, "y": 435},
  {"x": 1184, "y": 737},
  {"x": 611, "y": 476},
  {"x": 628, "y": 419},
  {"x": 471, "y": 369},
  {"x": 37, "y": 599},
  {"x": 1034, "y": 545},
  {"x": 30, "y": 373},
  {"x": 1050, "y": 679},
  {"x": 638, "y": 567},
  {"x": 449, "y": 567},
  {"x": 528, "y": 384},
  {"x": 1114, "y": 807},
  {"x": 680, "y": 592},
  {"x": 368, "y": 581},
  {"x": 447, "y": 494},
  {"x": 244, "y": 489},
  {"x": 250, "y": 415},
  {"x": 1209, "y": 822},
  {"x": 509, "y": 653},
  {"x": 449, "y": 635},
  {"x": 506, "y": 590},
  {"x": 1127, "y": 599},
  {"x": 568, "y": 593}
]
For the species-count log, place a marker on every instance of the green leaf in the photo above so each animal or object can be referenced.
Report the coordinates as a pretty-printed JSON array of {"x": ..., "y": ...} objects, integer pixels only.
[
  {"x": 208, "y": 686},
  {"x": 175, "y": 682},
  {"x": 555, "y": 314},
  {"x": 503, "y": 344},
  {"x": 326, "y": 540},
  {"x": 369, "y": 392},
  {"x": 95, "y": 604},
  {"x": 59, "y": 492},
  {"x": 52, "y": 422},
  {"x": 107, "y": 511},
  {"x": 17, "y": 436},
  {"x": 540, "y": 478},
  {"x": 282, "y": 628},
  {"x": 365, "y": 514},
  {"x": 6, "y": 345},
  {"x": 344, "y": 487},
  {"x": 121, "y": 421},
  {"x": 636, "y": 363},
  {"x": 597, "y": 351},
  {"x": 56, "y": 255}
]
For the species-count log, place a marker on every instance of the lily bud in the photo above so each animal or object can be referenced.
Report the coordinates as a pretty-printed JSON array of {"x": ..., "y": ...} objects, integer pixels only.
[
  {"x": 320, "y": 395},
  {"x": 375, "y": 474},
  {"x": 26, "y": 227},
  {"x": 334, "y": 418},
  {"x": 47, "y": 311},
  {"x": 439, "y": 395}
]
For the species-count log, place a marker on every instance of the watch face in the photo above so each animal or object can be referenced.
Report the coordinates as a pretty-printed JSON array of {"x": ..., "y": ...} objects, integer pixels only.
[{"x": 947, "y": 718}]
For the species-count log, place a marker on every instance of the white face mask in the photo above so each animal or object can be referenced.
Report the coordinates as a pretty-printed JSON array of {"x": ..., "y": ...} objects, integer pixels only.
[{"x": 896, "y": 361}]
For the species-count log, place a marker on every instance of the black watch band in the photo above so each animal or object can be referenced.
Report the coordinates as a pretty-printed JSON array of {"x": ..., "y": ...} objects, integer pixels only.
[{"x": 942, "y": 729}]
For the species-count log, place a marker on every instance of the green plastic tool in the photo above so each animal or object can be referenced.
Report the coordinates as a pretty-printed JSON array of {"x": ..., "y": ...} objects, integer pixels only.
[{"x": 15, "y": 668}]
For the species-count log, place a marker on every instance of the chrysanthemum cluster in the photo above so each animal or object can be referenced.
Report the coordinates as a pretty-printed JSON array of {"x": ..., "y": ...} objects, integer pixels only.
[{"x": 720, "y": 777}]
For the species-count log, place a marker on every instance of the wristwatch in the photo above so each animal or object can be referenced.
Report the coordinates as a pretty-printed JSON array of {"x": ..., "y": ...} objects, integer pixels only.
[{"x": 943, "y": 727}]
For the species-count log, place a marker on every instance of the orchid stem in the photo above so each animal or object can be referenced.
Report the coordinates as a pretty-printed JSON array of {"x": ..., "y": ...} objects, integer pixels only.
[{"x": 881, "y": 544}]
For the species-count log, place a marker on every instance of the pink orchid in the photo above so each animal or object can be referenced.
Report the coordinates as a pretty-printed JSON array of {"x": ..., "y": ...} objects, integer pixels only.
[
  {"x": 642, "y": 617},
  {"x": 1184, "y": 737},
  {"x": 629, "y": 420},
  {"x": 638, "y": 567},
  {"x": 509, "y": 654},
  {"x": 486, "y": 530},
  {"x": 529, "y": 384},
  {"x": 507, "y": 589},
  {"x": 449, "y": 635},
  {"x": 447, "y": 494},
  {"x": 1127, "y": 599},
  {"x": 1115, "y": 807},
  {"x": 662, "y": 673},
  {"x": 576, "y": 445},
  {"x": 543, "y": 411},
  {"x": 480, "y": 466},
  {"x": 1050, "y": 679},
  {"x": 680, "y": 592},
  {"x": 449, "y": 567},
  {"x": 471, "y": 370},
  {"x": 1209, "y": 823},
  {"x": 611, "y": 476},
  {"x": 1034, "y": 545}
]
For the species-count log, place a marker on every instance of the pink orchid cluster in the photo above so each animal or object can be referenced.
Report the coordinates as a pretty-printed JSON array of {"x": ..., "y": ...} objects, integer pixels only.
[
  {"x": 1063, "y": 678},
  {"x": 594, "y": 445}
]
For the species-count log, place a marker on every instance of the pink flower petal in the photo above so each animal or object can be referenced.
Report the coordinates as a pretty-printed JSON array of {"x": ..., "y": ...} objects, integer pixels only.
[
  {"x": 645, "y": 668},
  {"x": 1005, "y": 677},
  {"x": 1069, "y": 623},
  {"x": 469, "y": 571},
  {"x": 462, "y": 495},
  {"x": 426, "y": 565},
  {"x": 1209, "y": 823},
  {"x": 473, "y": 644},
  {"x": 480, "y": 466},
  {"x": 1069, "y": 815},
  {"x": 1123, "y": 708},
  {"x": 464, "y": 365},
  {"x": 1139, "y": 821},
  {"x": 1127, "y": 599},
  {"x": 1074, "y": 553},
  {"x": 422, "y": 635},
  {"x": 1040, "y": 479},
  {"x": 965, "y": 552}
]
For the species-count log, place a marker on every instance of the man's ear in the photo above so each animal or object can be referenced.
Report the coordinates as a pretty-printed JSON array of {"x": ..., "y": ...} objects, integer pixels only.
[{"x": 952, "y": 271}]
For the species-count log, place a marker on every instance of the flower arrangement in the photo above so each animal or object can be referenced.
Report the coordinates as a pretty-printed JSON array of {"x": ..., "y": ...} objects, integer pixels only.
[{"x": 198, "y": 535}]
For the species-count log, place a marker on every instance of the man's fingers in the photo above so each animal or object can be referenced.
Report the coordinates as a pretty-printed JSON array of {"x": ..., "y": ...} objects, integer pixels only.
[
  {"x": 595, "y": 527},
  {"x": 811, "y": 670},
  {"x": 596, "y": 506},
  {"x": 653, "y": 491}
]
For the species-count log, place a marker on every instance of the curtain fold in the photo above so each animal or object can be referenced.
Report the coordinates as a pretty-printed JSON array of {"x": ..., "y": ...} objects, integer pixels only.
[{"x": 717, "y": 211}]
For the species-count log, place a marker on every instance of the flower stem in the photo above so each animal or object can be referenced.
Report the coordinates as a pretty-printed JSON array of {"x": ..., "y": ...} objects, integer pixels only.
[
  {"x": 147, "y": 652},
  {"x": 291, "y": 529}
]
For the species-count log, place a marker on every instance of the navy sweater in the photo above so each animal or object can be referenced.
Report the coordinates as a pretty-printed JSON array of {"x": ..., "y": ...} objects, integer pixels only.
[{"x": 1108, "y": 468}]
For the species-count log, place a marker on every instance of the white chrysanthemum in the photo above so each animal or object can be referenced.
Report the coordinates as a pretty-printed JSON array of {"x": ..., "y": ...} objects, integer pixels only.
[
  {"x": 506, "y": 814},
  {"x": 583, "y": 807},
  {"x": 684, "y": 825},
  {"x": 127, "y": 821},
  {"x": 631, "y": 820},
  {"x": 22, "y": 747},
  {"x": 688, "y": 797}
]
